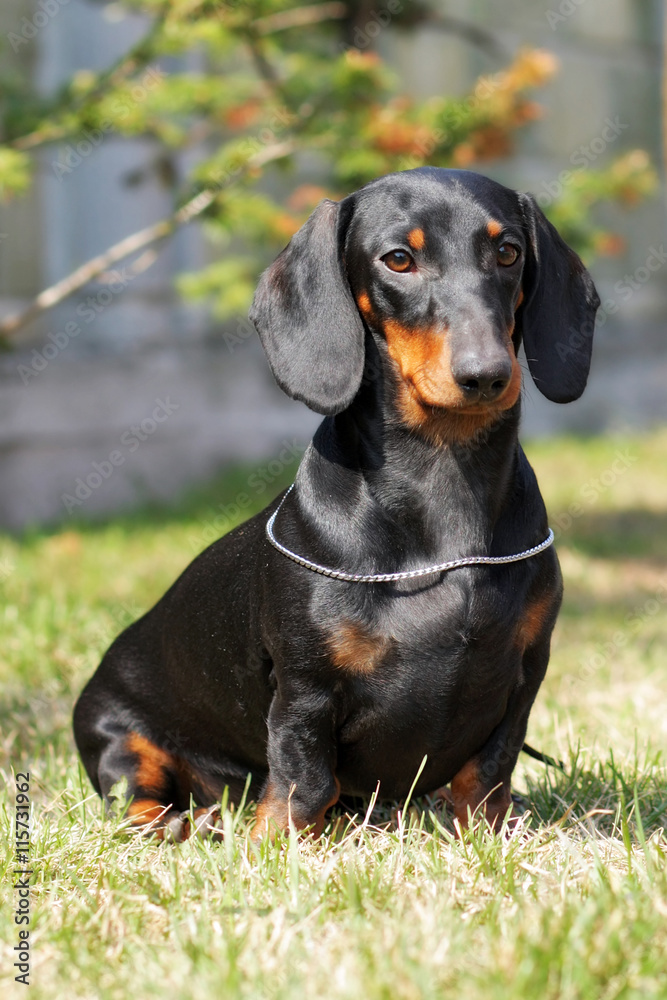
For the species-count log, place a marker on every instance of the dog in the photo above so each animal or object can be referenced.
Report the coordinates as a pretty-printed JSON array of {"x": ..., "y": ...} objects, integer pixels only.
[{"x": 398, "y": 612}]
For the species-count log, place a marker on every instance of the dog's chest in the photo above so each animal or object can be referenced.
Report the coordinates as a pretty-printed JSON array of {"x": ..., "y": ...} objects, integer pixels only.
[
  {"x": 433, "y": 642},
  {"x": 430, "y": 677}
]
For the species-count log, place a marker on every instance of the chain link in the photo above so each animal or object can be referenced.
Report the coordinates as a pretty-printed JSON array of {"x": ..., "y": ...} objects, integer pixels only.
[{"x": 409, "y": 574}]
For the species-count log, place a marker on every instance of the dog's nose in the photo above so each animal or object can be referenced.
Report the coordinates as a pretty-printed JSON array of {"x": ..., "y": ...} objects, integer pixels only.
[{"x": 482, "y": 379}]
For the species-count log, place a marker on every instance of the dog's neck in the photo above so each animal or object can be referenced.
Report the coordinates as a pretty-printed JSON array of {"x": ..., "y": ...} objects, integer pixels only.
[{"x": 387, "y": 486}]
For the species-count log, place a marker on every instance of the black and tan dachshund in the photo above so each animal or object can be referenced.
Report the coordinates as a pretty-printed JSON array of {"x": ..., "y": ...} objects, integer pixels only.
[{"x": 398, "y": 314}]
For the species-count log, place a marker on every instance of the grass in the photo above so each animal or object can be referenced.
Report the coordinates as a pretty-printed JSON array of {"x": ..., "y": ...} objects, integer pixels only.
[{"x": 387, "y": 905}]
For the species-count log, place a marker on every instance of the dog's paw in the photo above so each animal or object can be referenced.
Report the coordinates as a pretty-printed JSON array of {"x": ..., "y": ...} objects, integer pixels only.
[
  {"x": 176, "y": 829},
  {"x": 204, "y": 822},
  {"x": 207, "y": 823},
  {"x": 443, "y": 796}
]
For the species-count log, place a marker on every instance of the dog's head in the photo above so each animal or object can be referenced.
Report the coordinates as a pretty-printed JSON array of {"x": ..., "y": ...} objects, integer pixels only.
[{"x": 449, "y": 271}]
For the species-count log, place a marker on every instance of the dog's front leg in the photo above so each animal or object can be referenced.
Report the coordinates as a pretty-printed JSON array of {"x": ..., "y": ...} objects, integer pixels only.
[
  {"x": 484, "y": 781},
  {"x": 302, "y": 757}
]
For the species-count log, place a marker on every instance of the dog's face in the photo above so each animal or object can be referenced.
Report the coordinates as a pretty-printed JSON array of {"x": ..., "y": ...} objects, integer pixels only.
[
  {"x": 448, "y": 270},
  {"x": 438, "y": 275}
]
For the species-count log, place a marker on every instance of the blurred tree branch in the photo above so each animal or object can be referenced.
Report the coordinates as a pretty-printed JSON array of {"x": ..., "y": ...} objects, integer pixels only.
[
  {"x": 300, "y": 17},
  {"x": 281, "y": 80},
  {"x": 73, "y": 104},
  {"x": 143, "y": 238}
]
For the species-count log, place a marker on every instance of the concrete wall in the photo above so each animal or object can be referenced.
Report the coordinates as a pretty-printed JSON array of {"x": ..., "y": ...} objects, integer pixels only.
[{"x": 124, "y": 353}]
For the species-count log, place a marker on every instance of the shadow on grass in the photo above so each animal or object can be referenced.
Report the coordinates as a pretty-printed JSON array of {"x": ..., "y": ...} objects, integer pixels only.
[
  {"x": 625, "y": 534},
  {"x": 602, "y": 797},
  {"x": 598, "y": 799}
]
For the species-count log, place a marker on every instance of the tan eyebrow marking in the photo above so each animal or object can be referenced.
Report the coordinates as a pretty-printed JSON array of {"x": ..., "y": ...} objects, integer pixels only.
[
  {"x": 416, "y": 239},
  {"x": 494, "y": 228}
]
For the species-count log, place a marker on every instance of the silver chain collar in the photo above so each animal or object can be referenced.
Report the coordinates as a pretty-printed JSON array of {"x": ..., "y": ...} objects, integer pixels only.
[{"x": 409, "y": 574}]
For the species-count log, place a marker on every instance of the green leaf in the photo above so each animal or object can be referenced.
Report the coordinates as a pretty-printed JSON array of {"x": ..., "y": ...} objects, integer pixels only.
[{"x": 15, "y": 170}]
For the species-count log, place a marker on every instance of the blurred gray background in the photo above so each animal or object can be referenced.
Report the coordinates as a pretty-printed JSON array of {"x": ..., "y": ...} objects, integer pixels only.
[{"x": 141, "y": 353}]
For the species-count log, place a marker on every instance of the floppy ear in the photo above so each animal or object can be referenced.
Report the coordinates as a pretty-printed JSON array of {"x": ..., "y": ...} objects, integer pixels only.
[
  {"x": 557, "y": 316},
  {"x": 307, "y": 319}
]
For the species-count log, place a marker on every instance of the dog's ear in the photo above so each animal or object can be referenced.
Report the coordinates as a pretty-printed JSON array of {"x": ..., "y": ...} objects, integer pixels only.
[
  {"x": 557, "y": 315},
  {"x": 307, "y": 319}
]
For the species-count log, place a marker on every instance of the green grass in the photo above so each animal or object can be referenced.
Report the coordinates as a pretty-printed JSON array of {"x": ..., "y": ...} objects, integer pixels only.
[{"x": 390, "y": 905}]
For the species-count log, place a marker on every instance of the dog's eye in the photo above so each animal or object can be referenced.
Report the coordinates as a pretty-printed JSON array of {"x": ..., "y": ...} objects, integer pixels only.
[
  {"x": 398, "y": 260},
  {"x": 508, "y": 254}
]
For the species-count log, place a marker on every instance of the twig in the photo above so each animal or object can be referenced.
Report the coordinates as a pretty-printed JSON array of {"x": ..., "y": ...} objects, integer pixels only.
[
  {"x": 262, "y": 64},
  {"x": 137, "y": 241},
  {"x": 138, "y": 57},
  {"x": 471, "y": 33},
  {"x": 299, "y": 17}
]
